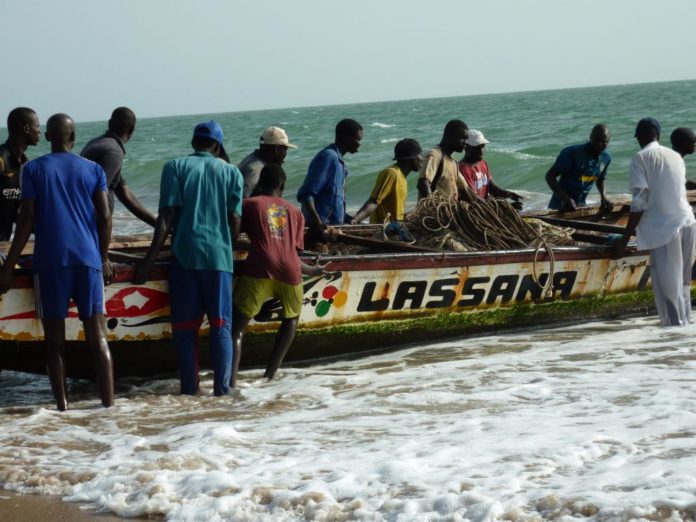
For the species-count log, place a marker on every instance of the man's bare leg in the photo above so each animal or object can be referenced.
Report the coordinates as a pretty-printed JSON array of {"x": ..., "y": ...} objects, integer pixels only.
[
  {"x": 54, "y": 339},
  {"x": 239, "y": 325},
  {"x": 95, "y": 334},
  {"x": 283, "y": 340}
]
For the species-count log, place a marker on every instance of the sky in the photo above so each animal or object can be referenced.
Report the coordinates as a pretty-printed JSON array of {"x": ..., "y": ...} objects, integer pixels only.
[{"x": 174, "y": 57}]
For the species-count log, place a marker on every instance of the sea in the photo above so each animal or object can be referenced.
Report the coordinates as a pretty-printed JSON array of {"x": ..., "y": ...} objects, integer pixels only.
[{"x": 591, "y": 421}]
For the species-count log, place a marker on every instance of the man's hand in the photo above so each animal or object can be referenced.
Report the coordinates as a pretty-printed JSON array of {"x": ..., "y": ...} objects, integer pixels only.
[
  {"x": 6, "y": 276},
  {"x": 569, "y": 205},
  {"x": 516, "y": 199},
  {"x": 319, "y": 269},
  {"x": 142, "y": 270},
  {"x": 620, "y": 247},
  {"x": 107, "y": 272},
  {"x": 605, "y": 205}
]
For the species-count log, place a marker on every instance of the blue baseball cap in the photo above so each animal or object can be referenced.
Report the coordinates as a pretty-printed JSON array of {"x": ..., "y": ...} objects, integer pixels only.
[
  {"x": 646, "y": 124},
  {"x": 209, "y": 129}
]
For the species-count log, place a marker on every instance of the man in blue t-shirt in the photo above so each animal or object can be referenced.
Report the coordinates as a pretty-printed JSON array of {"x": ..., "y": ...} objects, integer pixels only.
[
  {"x": 64, "y": 201},
  {"x": 201, "y": 199},
  {"x": 579, "y": 167},
  {"x": 322, "y": 193}
]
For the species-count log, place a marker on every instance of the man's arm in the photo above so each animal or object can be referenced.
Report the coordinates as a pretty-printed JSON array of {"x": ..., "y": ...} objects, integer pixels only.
[
  {"x": 605, "y": 204},
  {"x": 101, "y": 205},
  {"x": 133, "y": 204},
  {"x": 365, "y": 211},
  {"x": 235, "y": 222},
  {"x": 163, "y": 227},
  {"x": 552, "y": 181},
  {"x": 498, "y": 192},
  {"x": 25, "y": 226},
  {"x": 620, "y": 245}
]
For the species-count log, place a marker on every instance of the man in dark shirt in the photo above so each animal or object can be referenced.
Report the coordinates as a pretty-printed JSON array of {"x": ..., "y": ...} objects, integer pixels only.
[
  {"x": 273, "y": 147},
  {"x": 23, "y": 130},
  {"x": 108, "y": 151}
]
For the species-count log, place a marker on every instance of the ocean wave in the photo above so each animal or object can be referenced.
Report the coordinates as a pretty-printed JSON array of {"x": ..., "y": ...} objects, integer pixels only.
[
  {"x": 382, "y": 125},
  {"x": 523, "y": 155},
  {"x": 390, "y": 140}
]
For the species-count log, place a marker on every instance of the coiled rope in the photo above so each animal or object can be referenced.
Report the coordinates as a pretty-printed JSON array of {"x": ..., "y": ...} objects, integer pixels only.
[{"x": 485, "y": 224}]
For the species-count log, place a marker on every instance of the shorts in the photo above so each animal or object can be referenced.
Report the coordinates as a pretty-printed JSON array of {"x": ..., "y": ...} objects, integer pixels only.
[
  {"x": 54, "y": 287},
  {"x": 251, "y": 292}
]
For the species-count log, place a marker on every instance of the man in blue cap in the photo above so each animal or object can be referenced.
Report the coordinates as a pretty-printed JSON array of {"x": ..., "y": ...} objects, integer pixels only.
[
  {"x": 201, "y": 198},
  {"x": 663, "y": 222}
]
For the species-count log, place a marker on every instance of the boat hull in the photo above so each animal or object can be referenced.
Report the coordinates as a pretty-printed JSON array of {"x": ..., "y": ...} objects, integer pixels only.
[{"x": 366, "y": 303}]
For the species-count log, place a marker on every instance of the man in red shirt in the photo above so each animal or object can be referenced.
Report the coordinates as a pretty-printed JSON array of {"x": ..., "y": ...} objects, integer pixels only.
[
  {"x": 273, "y": 267},
  {"x": 475, "y": 171}
]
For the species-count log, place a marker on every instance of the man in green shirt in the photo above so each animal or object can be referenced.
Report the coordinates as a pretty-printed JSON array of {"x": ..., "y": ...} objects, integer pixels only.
[
  {"x": 389, "y": 195},
  {"x": 201, "y": 198}
]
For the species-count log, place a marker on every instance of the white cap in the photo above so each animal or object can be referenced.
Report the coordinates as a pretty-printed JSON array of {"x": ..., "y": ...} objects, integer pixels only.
[
  {"x": 275, "y": 136},
  {"x": 476, "y": 138}
]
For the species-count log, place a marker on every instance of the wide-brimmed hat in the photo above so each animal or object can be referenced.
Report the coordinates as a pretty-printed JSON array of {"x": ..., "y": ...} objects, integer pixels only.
[{"x": 276, "y": 136}]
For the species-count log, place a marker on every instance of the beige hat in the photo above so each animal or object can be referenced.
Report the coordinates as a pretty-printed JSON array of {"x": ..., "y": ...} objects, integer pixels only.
[{"x": 275, "y": 136}]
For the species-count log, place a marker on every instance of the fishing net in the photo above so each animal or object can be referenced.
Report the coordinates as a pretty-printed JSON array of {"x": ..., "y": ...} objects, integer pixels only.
[{"x": 444, "y": 223}]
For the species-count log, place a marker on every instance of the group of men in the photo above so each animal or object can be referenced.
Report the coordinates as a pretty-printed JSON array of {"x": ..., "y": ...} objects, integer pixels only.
[{"x": 66, "y": 201}]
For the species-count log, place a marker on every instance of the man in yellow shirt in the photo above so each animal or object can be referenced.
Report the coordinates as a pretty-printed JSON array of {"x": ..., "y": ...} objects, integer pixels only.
[{"x": 388, "y": 197}]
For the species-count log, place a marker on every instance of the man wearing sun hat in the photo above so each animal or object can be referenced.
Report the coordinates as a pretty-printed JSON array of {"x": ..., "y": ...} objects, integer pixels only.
[
  {"x": 663, "y": 222},
  {"x": 388, "y": 197},
  {"x": 273, "y": 147},
  {"x": 475, "y": 170},
  {"x": 201, "y": 198}
]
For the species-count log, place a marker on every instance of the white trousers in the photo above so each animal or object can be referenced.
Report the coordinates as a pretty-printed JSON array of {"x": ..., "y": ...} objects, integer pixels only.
[{"x": 670, "y": 271}]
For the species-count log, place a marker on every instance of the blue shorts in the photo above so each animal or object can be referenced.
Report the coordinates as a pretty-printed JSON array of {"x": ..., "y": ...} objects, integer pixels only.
[{"x": 55, "y": 287}]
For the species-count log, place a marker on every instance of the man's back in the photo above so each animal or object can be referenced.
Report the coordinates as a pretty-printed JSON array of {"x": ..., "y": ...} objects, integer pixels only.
[
  {"x": 276, "y": 232},
  {"x": 63, "y": 186},
  {"x": 250, "y": 167},
  {"x": 657, "y": 182},
  {"x": 205, "y": 190},
  {"x": 108, "y": 151}
]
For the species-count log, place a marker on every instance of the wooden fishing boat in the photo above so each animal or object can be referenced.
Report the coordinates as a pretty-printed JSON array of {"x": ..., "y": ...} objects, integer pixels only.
[{"x": 368, "y": 301}]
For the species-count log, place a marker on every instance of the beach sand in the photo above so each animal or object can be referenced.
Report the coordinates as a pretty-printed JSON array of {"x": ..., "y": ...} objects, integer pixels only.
[{"x": 30, "y": 508}]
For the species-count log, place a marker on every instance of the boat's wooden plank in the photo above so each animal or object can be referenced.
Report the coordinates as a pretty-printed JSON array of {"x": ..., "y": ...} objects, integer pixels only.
[
  {"x": 583, "y": 225},
  {"x": 391, "y": 246}
]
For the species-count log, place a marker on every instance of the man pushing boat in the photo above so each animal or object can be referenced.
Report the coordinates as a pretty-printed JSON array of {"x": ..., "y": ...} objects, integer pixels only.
[
  {"x": 64, "y": 202},
  {"x": 201, "y": 200}
]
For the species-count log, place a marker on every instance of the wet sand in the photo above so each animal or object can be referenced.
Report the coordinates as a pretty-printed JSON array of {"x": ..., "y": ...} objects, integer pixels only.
[{"x": 30, "y": 508}]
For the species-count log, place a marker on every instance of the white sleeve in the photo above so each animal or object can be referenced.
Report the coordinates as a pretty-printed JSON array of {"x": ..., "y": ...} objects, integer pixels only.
[{"x": 638, "y": 184}]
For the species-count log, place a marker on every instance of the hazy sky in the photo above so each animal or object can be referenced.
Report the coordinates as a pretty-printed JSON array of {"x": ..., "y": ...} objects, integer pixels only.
[{"x": 167, "y": 57}]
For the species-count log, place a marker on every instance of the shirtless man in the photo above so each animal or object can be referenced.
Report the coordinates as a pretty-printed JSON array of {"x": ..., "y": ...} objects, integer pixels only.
[{"x": 23, "y": 131}]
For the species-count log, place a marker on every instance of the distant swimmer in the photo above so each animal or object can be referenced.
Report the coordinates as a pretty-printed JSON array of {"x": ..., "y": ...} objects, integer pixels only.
[
  {"x": 109, "y": 150},
  {"x": 273, "y": 147},
  {"x": 65, "y": 204},
  {"x": 200, "y": 204},
  {"x": 477, "y": 174},
  {"x": 273, "y": 268},
  {"x": 23, "y": 130},
  {"x": 663, "y": 222},
  {"x": 323, "y": 192},
  {"x": 579, "y": 167},
  {"x": 440, "y": 170},
  {"x": 684, "y": 142},
  {"x": 388, "y": 197}
]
